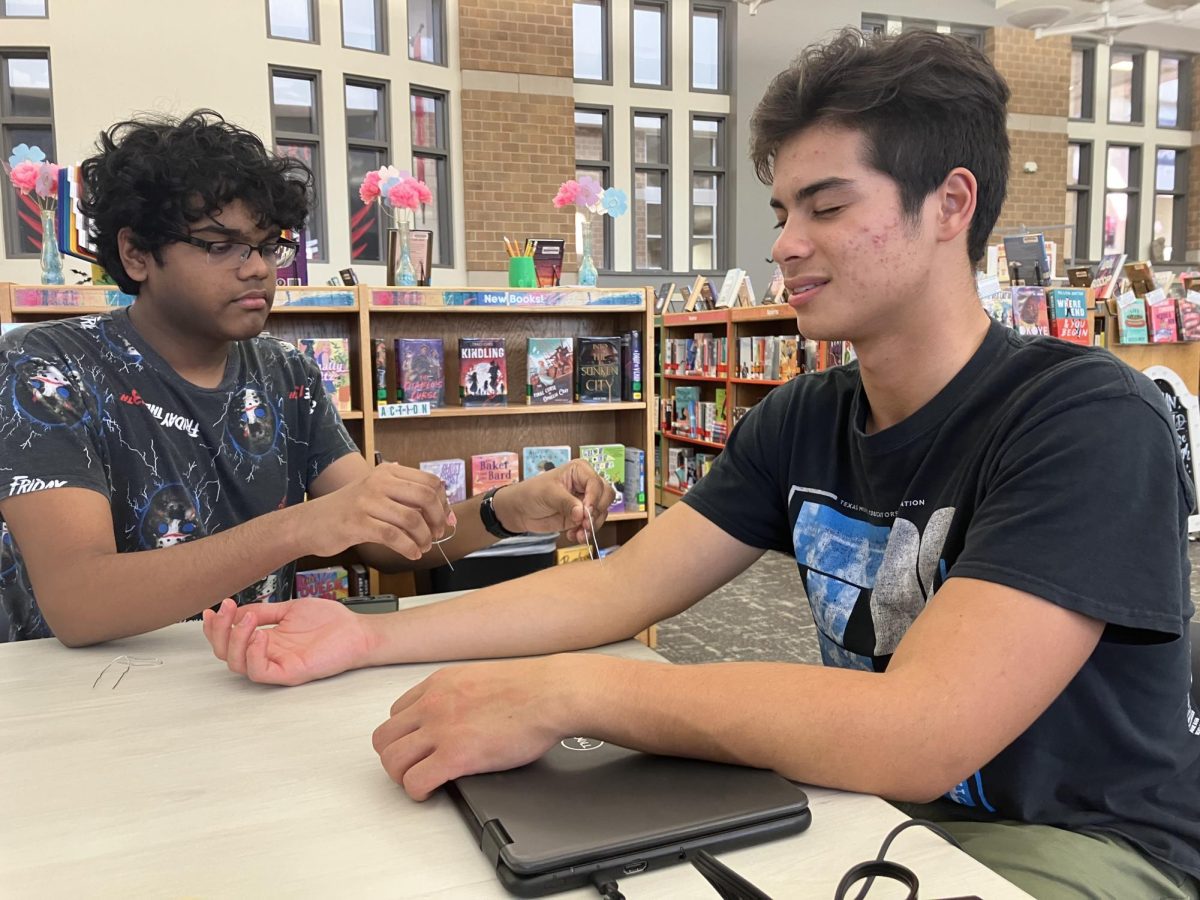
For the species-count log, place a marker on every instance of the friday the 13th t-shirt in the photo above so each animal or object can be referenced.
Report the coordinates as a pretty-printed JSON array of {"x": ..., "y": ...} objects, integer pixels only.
[
  {"x": 86, "y": 402},
  {"x": 1042, "y": 466}
]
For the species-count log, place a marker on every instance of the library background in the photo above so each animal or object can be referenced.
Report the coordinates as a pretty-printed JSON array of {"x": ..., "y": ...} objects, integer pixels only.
[{"x": 652, "y": 318}]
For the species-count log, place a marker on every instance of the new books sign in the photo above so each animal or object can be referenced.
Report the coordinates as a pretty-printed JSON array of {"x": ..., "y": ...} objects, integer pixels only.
[{"x": 1185, "y": 419}]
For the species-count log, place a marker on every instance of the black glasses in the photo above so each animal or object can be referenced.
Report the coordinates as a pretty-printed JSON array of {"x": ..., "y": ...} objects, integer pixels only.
[{"x": 231, "y": 254}]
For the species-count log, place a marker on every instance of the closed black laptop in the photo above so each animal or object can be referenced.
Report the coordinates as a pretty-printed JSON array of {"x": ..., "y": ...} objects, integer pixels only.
[{"x": 591, "y": 808}]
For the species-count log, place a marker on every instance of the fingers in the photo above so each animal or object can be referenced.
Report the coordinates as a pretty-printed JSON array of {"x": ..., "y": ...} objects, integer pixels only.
[
  {"x": 216, "y": 626},
  {"x": 229, "y": 620}
]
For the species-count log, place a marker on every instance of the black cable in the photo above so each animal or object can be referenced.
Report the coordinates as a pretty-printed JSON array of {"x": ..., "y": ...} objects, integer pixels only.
[
  {"x": 898, "y": 874},
  {"x": 608, "y": 889}
]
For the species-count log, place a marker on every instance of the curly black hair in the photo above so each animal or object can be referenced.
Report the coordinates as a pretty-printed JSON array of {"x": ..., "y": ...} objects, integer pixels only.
[{"x": 155, "y": 174}]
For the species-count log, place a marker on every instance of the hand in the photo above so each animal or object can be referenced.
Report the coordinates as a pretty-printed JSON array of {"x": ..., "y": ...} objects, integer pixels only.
[
  {"x": 554, "y": 501},
  {"x": 461, "y": 720},
  {"x": 401, "y": 508},
  {"x": 312, "y": 638}
]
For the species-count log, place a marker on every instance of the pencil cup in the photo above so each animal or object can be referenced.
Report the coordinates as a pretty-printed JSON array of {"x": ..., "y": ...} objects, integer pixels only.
[{"x": 521, "y": 273}]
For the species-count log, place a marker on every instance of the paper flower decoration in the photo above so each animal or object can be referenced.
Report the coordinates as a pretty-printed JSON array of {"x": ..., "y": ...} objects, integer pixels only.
[
  {"x": 586, "y": 195},
  {"x": 33, "y": 176},
  {"x": 394, "y": 190}
]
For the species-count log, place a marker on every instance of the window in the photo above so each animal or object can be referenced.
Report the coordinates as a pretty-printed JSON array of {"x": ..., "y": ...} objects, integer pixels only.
[
  {"x": 708, "y": 48},
  {"x": 296, "y": 122},
  {"x": 1079, "y": 196},
  {"x": 1169, "y": 243},
  {"x": 1122, "y": 178},
  {"x": 1083, "y": 82},
  {"x": 593, "y": 157},
  {"x": 708, "y": 194},
  {"x": 367, "y": 149},
  {"x": 1125, "y": 74},
  {"x": 26, "y": 117},
  {"x": 363, "y": 25},
  {"x": 431, "y": 164},
  {"x": 651, "y": 160},
  {"x": 427, "y": 31},
  {"x": 590, "y": 38},
  {"x": 1174, "y": 97},
  {"x": 650, "y": 45},
  {"x": 292, "y": 20},
  {"x": 23, "y": 9}
]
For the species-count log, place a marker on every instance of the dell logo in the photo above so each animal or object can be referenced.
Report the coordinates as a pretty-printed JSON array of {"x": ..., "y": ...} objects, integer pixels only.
[{"x": 581, "y": 743}]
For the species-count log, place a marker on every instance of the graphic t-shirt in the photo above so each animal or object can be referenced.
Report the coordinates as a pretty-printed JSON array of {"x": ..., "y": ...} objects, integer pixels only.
[
  {"x": 86, "y": 402},
  {"x": 1043, "y": 466}
]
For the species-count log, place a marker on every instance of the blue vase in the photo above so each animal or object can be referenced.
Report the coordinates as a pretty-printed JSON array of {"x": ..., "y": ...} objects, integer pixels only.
[
  {"x": 52, "y": 269},
  {"x": 406, "y": 275},
  {"x": 587, "y": 268}
]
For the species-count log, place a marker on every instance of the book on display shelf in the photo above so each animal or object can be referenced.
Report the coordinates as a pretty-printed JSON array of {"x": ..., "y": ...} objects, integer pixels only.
[
  {"x": 489, "y": 470},
  {"x": 550, "y": 371},
  {"x": 483, "y": 372},
  {"x": 609, "y": 462},
  {"x": 420, "y": 371},
  {"x": 598, "y": 369},
  {"x": 332, "y": 356},
  {"x": 539, "y": 459},
  {"x": 453, "y": 474}
]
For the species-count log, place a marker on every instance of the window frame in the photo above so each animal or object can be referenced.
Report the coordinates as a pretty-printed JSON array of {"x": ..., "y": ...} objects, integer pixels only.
[
  {"x": 4, "y": 14},
  {"x": 1133, "y": 194},
  {"x": 314, "y": 23},
  {"x": 665, "y": 169},
  {"x": 1137, "y": 87},
  {"x": 12, "y": 231},
  {"x": 721, "y": 246},
  {"x": 439, "y": 38},
  {"x": 664, "y": 44},
  {"x": 445, "y": 195},
  {"x": 381, "y": 32},
  {"x": 1087, "y": 90},
  {"x": 382, "y": 146},
  {"x": 606, "y": 49},
  {"x": 1081, "y": 238},
  {"x": 317, "y": 212},
  {"x": 1179, "y": 197},
  {"x": 724, "y": 67},
  {"x": 1183, "y": 118},
  {"x": 608, "y": 263}
]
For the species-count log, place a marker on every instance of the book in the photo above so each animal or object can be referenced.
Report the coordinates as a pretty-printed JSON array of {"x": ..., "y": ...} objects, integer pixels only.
[
  {"x": 1131, "y": 319},
  {"x": 483, "y": 373},
  {"x": 548, "y": 260},
  {"x": 598, "y": 369},
  {"x": 1000, "y": 307},
  {"x": 1069, "y": 314},
  {"x": 1160, "y": 315},
  {"x": 1107, "y": 273},
  {"x": 536, "y": 460},
  {"x": 775, "y": 292},
  {"x": 1030, "y": 313},
  {"x": 420, "y": 371},
  {"x": 452, "y": 472},
  {"x": 359, "y": 582},
  {"x": 663, "y": 297},
  {"x": 1140, "y": 277},
  {"x": 550, "y": 371},
  {"x": 635, "y": 479},
  {"x": 332, "y": 356},
  {"x": 1028, "y": 262},
  {"x": 727, "y": 296},
  {"x": 330, "y": 582},
  {"x": 573, "y": 553},
  {"x": 1079, "y": 276},
  {"x": 383, "y": 378},
  {"x": 1188, "y": 309},
  {"x": 609, "y": 462},
  {"x": 489, "y": 470},
  {"x": 631, "y": 365}
]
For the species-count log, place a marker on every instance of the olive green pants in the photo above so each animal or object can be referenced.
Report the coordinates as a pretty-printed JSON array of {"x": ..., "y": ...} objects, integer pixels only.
[{"x": 1055, "y": 864}]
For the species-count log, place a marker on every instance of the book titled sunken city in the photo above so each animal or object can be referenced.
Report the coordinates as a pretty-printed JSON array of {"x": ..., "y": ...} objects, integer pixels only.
[
  {"x": 598, "y": 369},
  {"x": 483, "y": 373},
  {"x": 420, "y": 373}
]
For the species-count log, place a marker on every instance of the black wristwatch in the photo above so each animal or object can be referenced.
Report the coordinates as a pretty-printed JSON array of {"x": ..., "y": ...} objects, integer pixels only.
[{"x": 487, "y": 515}]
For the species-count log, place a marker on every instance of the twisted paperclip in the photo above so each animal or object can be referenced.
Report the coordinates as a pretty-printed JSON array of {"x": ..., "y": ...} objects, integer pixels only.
[
  {"x": 128, "y": 662},
  {"x": 592, "y": 525}
]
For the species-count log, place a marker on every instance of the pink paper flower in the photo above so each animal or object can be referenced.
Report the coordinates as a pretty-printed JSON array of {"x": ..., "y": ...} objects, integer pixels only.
[
  {"x": 424, "y": 193},
  {"x": 589, "y": 192},
  {"x": 568, "y": 193},
  {"x": 47, "y": 180},
  {"x": 24, "y": 176},
  {"x": 404, "y": 195},
  {"x": 370, "y": 187}
]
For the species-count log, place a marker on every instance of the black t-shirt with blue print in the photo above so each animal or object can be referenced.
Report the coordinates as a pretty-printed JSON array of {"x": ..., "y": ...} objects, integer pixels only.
[
  {"x": 86, "y": 402},
  {"x": 1043, "y": 466}
]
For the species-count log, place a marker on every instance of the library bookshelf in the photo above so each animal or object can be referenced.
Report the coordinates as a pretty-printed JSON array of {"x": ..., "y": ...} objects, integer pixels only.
[{"x": 363, "y": 312}]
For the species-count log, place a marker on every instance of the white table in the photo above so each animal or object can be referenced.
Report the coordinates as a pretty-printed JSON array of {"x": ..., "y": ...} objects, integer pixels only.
[{"x": 190, "y": 781}]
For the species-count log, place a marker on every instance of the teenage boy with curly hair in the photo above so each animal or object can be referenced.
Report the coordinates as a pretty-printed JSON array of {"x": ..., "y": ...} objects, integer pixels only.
[
  {"x": 156, "y": 458},
  {"x": 991, "y": 531}
]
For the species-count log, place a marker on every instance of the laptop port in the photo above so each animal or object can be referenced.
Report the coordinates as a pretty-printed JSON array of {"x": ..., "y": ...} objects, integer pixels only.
[{"x": 635, "y": 867}]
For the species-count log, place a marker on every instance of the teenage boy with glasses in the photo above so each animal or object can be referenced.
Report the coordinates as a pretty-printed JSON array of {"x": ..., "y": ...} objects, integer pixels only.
[{"x": 173, "y": 427}]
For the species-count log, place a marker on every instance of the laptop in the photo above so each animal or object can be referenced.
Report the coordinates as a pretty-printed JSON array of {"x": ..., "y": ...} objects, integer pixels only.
[{"x": 590, "y": 809}]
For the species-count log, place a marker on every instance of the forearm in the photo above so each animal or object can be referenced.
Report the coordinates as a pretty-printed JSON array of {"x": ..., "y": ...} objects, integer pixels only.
[
  {"x": 569, "y": 607},
  {"x": 114, "y": 595},
  {"x": 841, "y": 728}
]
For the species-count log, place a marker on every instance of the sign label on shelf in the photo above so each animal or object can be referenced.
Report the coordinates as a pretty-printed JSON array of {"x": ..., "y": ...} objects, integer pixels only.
[{"x": 403, "y": 410}]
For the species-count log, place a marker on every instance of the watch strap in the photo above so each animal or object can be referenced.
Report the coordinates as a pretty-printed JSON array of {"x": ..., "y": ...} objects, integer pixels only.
[{"x": 491, "y": 522}]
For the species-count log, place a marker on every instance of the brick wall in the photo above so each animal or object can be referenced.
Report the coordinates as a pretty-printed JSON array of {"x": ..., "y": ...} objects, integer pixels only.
[
  {"x": 517, "y": 150},
  {"x": 518, "y": 147},
  {"x": 1038, "y": 72},
  {"x": 532, "y": 37}
]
